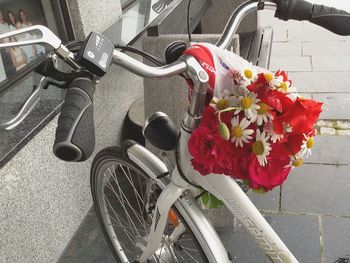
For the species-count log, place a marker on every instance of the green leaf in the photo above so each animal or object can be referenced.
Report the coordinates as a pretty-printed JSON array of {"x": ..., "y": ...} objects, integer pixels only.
[
  {"x": 260, "y": 190},
  {"x": 209, "y": 201}
]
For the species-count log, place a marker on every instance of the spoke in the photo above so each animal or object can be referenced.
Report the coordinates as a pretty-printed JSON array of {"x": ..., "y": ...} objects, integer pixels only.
[
  {"x": 124, "y": 248},
  {"x": 128, "y": 234},
  {"x": 192, "y": 258},
  {"x": 121, "y": 223},
  {"x": 137, "y": 196},
  {"x": 190, "y": 249},
  {"x": 123, "y": 196},
  {"x": 122, "y": 203},
  {"x": 179, "y": 254},
  {"x": 140, "y": 184}
]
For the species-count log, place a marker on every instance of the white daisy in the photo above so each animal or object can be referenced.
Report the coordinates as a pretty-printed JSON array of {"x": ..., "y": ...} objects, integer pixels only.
[
  {"x": 249, "y": 74},
  {"x": 261, "y": 148},
  {"x": 278, "y": 84},
  {"x": 308, "y": 144},
  {"x": 239, "y": 132},
  {"x": 274, "y": 137},
  {"x": 263, "y": 113},
  {"x": 248, "y": 103},
  {"x": 225, "y": 101},
  {"x": 296, "y": 160}
]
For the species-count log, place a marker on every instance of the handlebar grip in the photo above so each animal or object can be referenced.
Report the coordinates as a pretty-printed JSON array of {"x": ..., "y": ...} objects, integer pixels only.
[
  {"x": 75, "y": 133},
  {"x": 335, "y": 20},
  {"x": 293, "y": 9}
]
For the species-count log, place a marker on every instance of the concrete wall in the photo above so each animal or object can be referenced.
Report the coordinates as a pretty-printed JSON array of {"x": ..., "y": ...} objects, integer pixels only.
[{"x": 43, "y": 200}]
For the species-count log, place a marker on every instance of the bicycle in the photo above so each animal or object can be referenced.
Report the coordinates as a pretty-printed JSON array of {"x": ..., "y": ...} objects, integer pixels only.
[{"x": 148, "y": 211}]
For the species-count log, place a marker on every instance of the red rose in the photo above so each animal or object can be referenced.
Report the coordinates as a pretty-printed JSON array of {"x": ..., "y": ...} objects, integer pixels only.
[
  {"x": 208, "y": 149},
  {"x": 274, "y": 173},
  {"x": 301, "y": 116}
]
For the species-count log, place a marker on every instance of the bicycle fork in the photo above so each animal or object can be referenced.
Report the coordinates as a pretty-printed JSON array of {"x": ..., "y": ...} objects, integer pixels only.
[{"x": 166, "y": 199}]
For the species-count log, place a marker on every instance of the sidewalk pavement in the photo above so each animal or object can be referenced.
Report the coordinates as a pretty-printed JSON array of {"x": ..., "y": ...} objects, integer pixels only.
[{"x": 311, "y": 212}]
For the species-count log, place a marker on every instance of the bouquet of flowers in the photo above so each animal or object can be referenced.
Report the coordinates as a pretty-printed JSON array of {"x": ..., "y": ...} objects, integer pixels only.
[{"x": 255, "y": 127}]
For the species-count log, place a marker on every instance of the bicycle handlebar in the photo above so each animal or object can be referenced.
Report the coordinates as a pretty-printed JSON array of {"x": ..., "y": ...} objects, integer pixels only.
[{"x": 146, "y": 71}]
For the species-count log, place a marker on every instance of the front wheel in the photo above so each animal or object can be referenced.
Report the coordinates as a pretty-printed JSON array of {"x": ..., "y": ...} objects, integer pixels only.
[{"x": 124, "y": 197}]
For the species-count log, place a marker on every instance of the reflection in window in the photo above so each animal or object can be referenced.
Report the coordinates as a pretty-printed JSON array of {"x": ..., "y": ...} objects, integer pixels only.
[{"x": 18, "y": 14}]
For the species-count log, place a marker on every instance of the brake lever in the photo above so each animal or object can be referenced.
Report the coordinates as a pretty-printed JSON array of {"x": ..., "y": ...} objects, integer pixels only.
[{"x": 40, "y": 82}]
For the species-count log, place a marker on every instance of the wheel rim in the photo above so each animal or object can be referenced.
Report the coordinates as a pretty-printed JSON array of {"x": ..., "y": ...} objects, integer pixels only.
[{"x": 123, "y": 204}]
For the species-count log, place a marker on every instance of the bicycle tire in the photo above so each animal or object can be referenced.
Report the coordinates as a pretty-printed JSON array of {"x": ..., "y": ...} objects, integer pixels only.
[{"x": 114, "y": 155}]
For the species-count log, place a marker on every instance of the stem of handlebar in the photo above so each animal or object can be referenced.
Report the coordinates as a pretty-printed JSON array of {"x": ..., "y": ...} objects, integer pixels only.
[
  {"x": 236, "y": 18},
  {"x": 146, "y": 71}
]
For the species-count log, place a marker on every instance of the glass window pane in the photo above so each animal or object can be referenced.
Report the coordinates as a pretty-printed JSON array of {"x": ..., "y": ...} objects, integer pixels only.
[{"x": 18, "y": 14}]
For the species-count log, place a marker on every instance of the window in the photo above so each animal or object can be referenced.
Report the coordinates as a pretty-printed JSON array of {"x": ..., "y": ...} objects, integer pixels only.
[{"x": 17, "y": 62}]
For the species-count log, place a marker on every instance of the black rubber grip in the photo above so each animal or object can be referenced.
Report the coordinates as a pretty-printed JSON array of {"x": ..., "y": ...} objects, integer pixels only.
[
  {"x": 75, "y": 133},
  {"x": 335, "y": 20},
  {"x": 293, "y": 9}
]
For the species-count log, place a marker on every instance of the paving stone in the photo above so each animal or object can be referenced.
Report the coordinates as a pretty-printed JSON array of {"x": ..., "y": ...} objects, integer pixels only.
[
  {"x": 267, "y": 201},
  {"x": 324, "y": 123},
  {"x": 280, "y": 35},
  {"x": 335, "y": 105},
  {"x": 320, "y": 81},
  {"x": 240, "y": 245},
  {"x": 88, "y": 245},
  {"x": 286, "y": 49},
  {"x": 313, "y": 33},
  {"x": 266, "y": 18},
  {"x": 325, "y": 48},
  {"x": 330, "y": 150},
  {"x": 327, "y": 131},
  {"x": 299, "y": 233},
  {"x": 320, "y": 189},
  {"x": 291, "y": 63},
  {"x": 343, "y": 132},
  {"x": 343, "y": 124},
  {"x": 336, "y": 239},
  {"x": 331, "y": 63}
]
